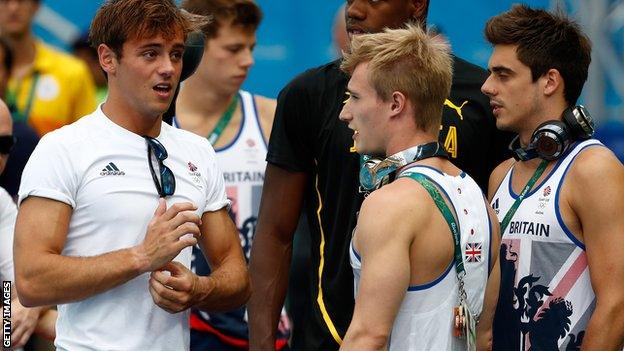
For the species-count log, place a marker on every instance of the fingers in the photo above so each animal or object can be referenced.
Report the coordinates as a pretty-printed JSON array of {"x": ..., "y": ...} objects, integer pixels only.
[
  {"x": 179, "y": 279},
  {"x": 175, "y": 268},
  {"x": 22, "y": 329},
  {"x": 176, "y": 208},
  {"x": 167, "y": 233},
  {"x": 172, "y": 293},
  {"x": 186, "y": 228},
  {"x": 185, "y": 217},
  {"x": 163, "y": 302},
  {"x": 22, "y": 337},
  {"x": 161, "y": 208}
]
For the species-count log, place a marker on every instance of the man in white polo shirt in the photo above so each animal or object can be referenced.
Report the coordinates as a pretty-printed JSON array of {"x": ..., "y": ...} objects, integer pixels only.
[{"x": 111, "y": 205}]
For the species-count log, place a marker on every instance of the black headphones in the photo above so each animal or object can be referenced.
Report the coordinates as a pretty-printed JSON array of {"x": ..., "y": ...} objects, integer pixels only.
[{"x": 552, "y": 138}]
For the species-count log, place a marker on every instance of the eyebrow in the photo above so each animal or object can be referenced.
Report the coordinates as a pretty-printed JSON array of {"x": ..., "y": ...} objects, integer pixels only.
[
  {"x": 501, "y": 69},
  {"x": 350, "y": 91},
  {"x": 160, "y": 46}
]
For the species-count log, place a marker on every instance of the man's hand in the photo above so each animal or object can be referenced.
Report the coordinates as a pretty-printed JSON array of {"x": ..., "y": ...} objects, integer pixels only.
[
  {"x": 484, "y": 341},
  {"x": 167, "y": 234},
  {"x": 23, "y": 322},
  {"x": 176, "y": 290}
]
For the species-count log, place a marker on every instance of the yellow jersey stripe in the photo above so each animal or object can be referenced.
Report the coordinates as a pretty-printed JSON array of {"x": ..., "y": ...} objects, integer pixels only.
[{"x": 319, "y": 298}]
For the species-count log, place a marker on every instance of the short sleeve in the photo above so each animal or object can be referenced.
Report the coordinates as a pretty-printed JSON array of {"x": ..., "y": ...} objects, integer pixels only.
[
  {"x": 8, "y": 213},
  {"x": 49, "y": 172},
  {"x": 289, "y": 145},
  {"x": 216, "y": 197}
]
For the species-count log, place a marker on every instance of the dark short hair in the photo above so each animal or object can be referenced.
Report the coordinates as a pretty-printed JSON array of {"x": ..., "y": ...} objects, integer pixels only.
[
  {"x": 8, "y": 55},
  {"x": 243, "y": 13},
  {"x": 545, "y": 41},
  {"x": 120, "y": 20}
]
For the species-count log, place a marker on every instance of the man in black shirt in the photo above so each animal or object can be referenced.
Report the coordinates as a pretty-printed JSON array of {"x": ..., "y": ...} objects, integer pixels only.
[{"x": 313, "y": 162}]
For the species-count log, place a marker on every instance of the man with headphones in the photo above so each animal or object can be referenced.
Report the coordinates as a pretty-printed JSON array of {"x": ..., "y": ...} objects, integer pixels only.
[{"x": 560, "y": 281}]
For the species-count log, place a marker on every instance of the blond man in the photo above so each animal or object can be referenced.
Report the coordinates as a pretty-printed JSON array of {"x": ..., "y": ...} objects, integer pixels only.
[{"x": 406, "y": 279}]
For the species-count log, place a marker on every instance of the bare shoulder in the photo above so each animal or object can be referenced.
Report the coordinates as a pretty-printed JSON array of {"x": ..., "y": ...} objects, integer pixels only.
[
  {"x": 401, "y": 205},
  {"x": 497, "y": 176},
  {"x": 596, "y": 166},
  {"x": 266, "y": 112}
]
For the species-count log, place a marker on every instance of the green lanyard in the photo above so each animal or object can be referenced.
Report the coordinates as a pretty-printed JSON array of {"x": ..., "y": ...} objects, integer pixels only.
[
  {"x": 13, "y": 96},
  {"x": 223, "y": 121},
  {"x": 538, "y": 172},
  {"x": 448, "y": 216}
]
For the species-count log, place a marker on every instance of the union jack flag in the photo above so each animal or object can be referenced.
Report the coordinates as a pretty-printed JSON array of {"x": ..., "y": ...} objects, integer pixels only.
[{"x": 473, "y": 252}]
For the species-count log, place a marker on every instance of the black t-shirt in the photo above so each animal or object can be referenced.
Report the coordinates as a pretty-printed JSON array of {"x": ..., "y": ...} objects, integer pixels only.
[{"x": 307, "y": 136}]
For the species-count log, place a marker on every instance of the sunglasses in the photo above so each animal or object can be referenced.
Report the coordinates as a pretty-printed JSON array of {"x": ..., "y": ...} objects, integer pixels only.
[
  {"x": 6, "y": 143},
  {"x": 162, "y": 175}
]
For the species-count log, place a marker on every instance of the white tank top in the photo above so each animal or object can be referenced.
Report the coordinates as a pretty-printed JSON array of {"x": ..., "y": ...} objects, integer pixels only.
[
  {"x": 425, "y": 318},
  {"x": 242, "y": 163},
  {"x": 545, "y": 283}
]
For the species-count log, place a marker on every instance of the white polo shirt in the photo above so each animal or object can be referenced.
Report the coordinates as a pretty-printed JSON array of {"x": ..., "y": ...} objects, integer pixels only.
[{"x": 101, "y": 170}]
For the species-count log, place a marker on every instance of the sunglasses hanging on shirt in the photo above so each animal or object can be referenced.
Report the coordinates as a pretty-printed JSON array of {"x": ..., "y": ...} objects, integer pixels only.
[{"x": 162, "y": 175}]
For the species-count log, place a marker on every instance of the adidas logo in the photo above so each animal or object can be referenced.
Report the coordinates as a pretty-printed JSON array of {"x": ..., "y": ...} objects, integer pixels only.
[{"x": 111, "y": 169}]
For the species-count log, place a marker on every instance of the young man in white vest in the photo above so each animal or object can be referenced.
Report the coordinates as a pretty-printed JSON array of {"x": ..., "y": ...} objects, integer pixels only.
[
  {"x": 237, "y": 123},
  {"x": 412, "y": 261},
  {"x": 560, "y": 199}
]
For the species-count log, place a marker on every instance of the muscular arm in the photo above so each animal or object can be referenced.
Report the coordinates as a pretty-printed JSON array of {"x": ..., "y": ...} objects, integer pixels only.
[
  {"x": 484, "y": 328},
  {"x": 385, "y": 274},
  {"x": 227, "y": 287},
  {"x": 599, "y": 204},
  {"x": 280, "y": 207},
  {"x": 45, "y": 277},
  {"x": 46, "y": 327}
]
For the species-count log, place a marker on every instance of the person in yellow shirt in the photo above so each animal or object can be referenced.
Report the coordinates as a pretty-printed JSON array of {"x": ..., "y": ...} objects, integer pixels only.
[{"x": 47, "y": 88}]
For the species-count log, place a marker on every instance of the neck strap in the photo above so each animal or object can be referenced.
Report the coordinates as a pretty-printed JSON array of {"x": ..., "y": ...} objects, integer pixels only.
[
  {"x": 373, "y": 171},
  {"x": 13, "y": 96},
  {"x": 538, "y": 172},
  {"x": 223, "y": 121},
  {"x": 448, "y": 216}
]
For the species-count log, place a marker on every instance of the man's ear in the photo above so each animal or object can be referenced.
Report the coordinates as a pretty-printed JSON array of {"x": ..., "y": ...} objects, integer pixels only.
[
  {"x": 553, "y": 81},
  {"x": 398, "y": 101},
  {"x": 108, "y": 59},
  {"x": 419, "y": 9}
]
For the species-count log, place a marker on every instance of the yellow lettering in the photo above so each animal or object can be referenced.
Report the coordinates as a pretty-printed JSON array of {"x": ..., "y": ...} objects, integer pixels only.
[
  {"x": 450, "y": 144},
  {"x": 353, "y": 148}
]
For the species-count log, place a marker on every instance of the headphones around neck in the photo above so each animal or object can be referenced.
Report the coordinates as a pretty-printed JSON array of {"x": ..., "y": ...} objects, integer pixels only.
[
  {"x": 375, "y": 172},
  {"x": 552, "y": 138}
]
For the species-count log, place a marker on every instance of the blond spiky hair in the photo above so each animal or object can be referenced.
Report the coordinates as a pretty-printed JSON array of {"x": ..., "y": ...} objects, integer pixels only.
[{"x": 408, "y": 60}]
